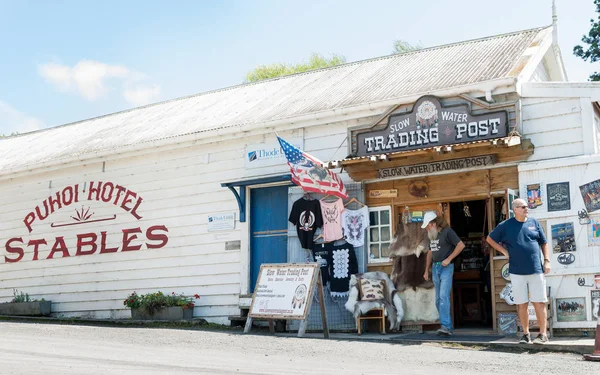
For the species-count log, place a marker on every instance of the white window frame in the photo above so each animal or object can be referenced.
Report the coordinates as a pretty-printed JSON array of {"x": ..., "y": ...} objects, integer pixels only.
[{"x": 379, "y": 209}]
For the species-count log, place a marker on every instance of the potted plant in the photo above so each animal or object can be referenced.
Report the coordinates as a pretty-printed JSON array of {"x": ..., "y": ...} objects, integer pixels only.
[
  {"x": 159, "y": 306},
  {"x": 23, "y": 304}
]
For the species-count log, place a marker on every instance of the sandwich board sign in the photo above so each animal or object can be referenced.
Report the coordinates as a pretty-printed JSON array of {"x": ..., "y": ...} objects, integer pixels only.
[{"x": 284, "y": 292}]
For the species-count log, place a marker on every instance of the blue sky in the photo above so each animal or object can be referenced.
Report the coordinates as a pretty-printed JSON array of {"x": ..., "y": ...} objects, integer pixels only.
[{"x": 65, "y": 61}]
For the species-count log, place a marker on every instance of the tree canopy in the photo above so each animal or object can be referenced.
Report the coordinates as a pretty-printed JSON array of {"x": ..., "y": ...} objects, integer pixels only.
[
  {"x": 593, "y": 41},
  {"x": 402, "y": 46},
  {"x": 316, "y": 61}
]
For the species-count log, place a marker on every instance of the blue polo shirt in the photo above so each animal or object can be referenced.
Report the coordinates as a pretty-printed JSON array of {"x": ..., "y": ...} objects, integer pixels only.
[{"x": 523, "y": 241}]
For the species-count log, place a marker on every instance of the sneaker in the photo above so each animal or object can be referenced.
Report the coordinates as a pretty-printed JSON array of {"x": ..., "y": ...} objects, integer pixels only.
[
  {"x": 540, "y": 339},
  {"x": 443, "y": 331},
  {"x": 525, "y": 339}
]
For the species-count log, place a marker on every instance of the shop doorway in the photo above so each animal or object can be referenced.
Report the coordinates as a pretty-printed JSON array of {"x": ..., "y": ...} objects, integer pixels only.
[
  {"x": 472, "y": 283},
  {"x": 268, "y": 228}
]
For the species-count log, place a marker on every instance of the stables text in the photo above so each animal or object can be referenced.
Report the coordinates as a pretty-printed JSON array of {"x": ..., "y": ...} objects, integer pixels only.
[{"x": 80, "y": 198}]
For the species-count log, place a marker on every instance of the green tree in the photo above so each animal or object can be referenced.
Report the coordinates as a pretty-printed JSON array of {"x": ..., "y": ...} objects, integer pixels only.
[
  {"x": 593, "y": 41},
  {"x": 316, "y": 61},
  {"x": 402, "y": 46}
]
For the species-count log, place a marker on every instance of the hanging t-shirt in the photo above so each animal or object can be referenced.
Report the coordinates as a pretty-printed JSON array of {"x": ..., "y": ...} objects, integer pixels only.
[
  {"x": 306, "y": 216},
  {"x": 332, "y": 220},
  {"x": 354, "y": 223},
  {"x": 321, "y": 255},
  {"x": 342, "y": 263}
]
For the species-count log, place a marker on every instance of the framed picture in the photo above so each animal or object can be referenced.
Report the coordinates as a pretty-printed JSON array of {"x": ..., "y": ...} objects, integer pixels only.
[
  {"x": 563, "y": 238},
  {"x": 595, "y": 304},
  {"x": 594, "y": 231},
  {"x": 534, "y": 195},
  {"x": 590, "y": 193},
  {"x": 570, "y": 309},
  {"x": 559, "y": 196}
]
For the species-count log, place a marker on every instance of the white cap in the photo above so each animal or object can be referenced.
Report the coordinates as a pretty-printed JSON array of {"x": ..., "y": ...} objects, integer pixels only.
[{"x": 429, "y": 215}]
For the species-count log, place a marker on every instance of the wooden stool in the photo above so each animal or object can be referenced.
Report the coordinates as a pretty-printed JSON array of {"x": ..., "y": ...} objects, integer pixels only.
[{"x": 376, "y": 313}]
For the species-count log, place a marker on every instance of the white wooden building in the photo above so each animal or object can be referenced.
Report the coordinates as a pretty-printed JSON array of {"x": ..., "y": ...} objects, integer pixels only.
[{"x": 94, "y": 210}]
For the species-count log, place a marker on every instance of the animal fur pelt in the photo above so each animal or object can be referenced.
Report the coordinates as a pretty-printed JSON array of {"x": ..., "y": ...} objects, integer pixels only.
[
  {"x": 420, "y": 305},
  {"x": 392, "y": 302},
  {"x": 409, "y": 243}
]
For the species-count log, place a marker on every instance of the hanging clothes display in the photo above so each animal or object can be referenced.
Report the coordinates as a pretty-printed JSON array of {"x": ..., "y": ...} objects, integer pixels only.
[
  {"x": 332, "y": 219},
  {"x": 321, "y": 254},
  {"x": 354, "y": 224},
  {"x": 342, "y": 264},
  {"x": 306, "y": 216}
]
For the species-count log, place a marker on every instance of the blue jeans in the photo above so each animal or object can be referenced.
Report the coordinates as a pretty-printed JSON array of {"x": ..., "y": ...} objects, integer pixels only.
[{"x": 442, "y": 278}]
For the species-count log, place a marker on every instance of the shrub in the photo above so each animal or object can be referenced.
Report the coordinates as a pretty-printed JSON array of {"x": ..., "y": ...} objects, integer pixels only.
[
  {"x": 152, "y": 302},
  {"x": 22, "y": 297}
]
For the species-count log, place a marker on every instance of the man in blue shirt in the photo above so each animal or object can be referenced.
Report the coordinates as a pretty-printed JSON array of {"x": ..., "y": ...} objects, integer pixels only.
[{"x": 520, "y": 239}]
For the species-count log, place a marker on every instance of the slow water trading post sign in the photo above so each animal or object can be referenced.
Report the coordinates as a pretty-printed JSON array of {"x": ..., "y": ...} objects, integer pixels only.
[
  {"x": 284, "y": 291},
  {"x": 429, "y": 125}
]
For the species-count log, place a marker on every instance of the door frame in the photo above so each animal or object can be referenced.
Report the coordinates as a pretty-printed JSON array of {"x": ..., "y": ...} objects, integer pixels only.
[{"x": 245, "y": 237}]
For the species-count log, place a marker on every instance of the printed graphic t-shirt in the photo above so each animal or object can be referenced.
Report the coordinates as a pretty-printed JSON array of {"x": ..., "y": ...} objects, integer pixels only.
[
  {"x": 444, "y": 245},
  {"x": 342, "y": 264},
  {"x": 332, "y": 220},
  {"x": 354, "y": 223},
  {"x": 522, "y": 240},
  {"x": 306, "y": 216}
]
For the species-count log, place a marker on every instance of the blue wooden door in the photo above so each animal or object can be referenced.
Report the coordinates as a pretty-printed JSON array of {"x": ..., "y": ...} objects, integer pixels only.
[{"x": 268, "y": 228}]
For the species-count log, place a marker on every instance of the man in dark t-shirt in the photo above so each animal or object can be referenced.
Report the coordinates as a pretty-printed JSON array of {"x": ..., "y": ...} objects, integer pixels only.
[
  {"x": 444, "y": 245},
  {"x": 520, "y": 239}
]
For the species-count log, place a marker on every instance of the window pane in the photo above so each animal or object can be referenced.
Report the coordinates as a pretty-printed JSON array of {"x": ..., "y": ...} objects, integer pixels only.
[
  {"x": 373, "y": 218},
  {"x": 374, "y": 251},
  {"x": 385, "y": 217},
  {"x": 374, "y": 234},
  {"x": 385, "y": 249},
  {"x": 385, "y": 233}
]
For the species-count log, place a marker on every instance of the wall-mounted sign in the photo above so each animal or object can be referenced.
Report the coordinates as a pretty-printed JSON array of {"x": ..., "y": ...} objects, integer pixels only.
[
  {"x": 268, "y": 154},
  {"x": 504, "y": 272},
  {"x": 218, "y": 222},
  {"x": 534, "y": 195},
  {"x": 507, "y": 294},
  {"x": 391, "y": 193},
  {"x": 563, "y": 238},
  {"x": 566, "y": 258},
  {"x": 75, "y": 207},
  {"x": 429, "y": 125},
  {"x": 570, "y": 309},
  {"x": 559, "y": 197},
  {"x": 590, "y": 193},
  {"x": 438, "y": 166}
]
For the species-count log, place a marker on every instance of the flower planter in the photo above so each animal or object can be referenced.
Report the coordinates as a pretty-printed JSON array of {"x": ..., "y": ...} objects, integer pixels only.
[
  {"x": 165, "y": 313},
  {"x": 26, "y": 308}
]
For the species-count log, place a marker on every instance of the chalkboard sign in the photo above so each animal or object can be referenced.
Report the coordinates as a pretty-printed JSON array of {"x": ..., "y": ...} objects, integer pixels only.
[{"x": 559, "y": 197}]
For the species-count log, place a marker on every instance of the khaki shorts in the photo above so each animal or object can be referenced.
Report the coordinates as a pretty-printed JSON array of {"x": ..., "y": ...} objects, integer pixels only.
[{"x": 528, "y": 288}]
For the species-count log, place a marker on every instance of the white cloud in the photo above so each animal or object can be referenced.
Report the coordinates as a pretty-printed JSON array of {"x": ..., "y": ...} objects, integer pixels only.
[
  {"x": 92, "y": 80},
  {"x": 11, "y": 121},
  {"x": 141, "y": 95}
]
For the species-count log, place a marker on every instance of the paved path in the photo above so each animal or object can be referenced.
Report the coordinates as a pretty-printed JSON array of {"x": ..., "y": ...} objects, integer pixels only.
[{"x": 33, "y": 348}]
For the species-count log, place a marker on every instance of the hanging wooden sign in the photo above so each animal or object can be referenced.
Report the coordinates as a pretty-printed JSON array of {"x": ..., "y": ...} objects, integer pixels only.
[
  {"x": 390, "y": 193},
  {"x": 430, "y": 124},
  {"x": 438, "y": 166}
]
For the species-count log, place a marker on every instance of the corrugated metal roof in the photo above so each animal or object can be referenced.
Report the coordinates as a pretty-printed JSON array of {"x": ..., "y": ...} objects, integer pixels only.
[{"x": 344, "y": 86}]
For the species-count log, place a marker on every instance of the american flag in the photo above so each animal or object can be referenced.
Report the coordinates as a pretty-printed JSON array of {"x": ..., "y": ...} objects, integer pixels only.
[{"x": 308, "y": 172}]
